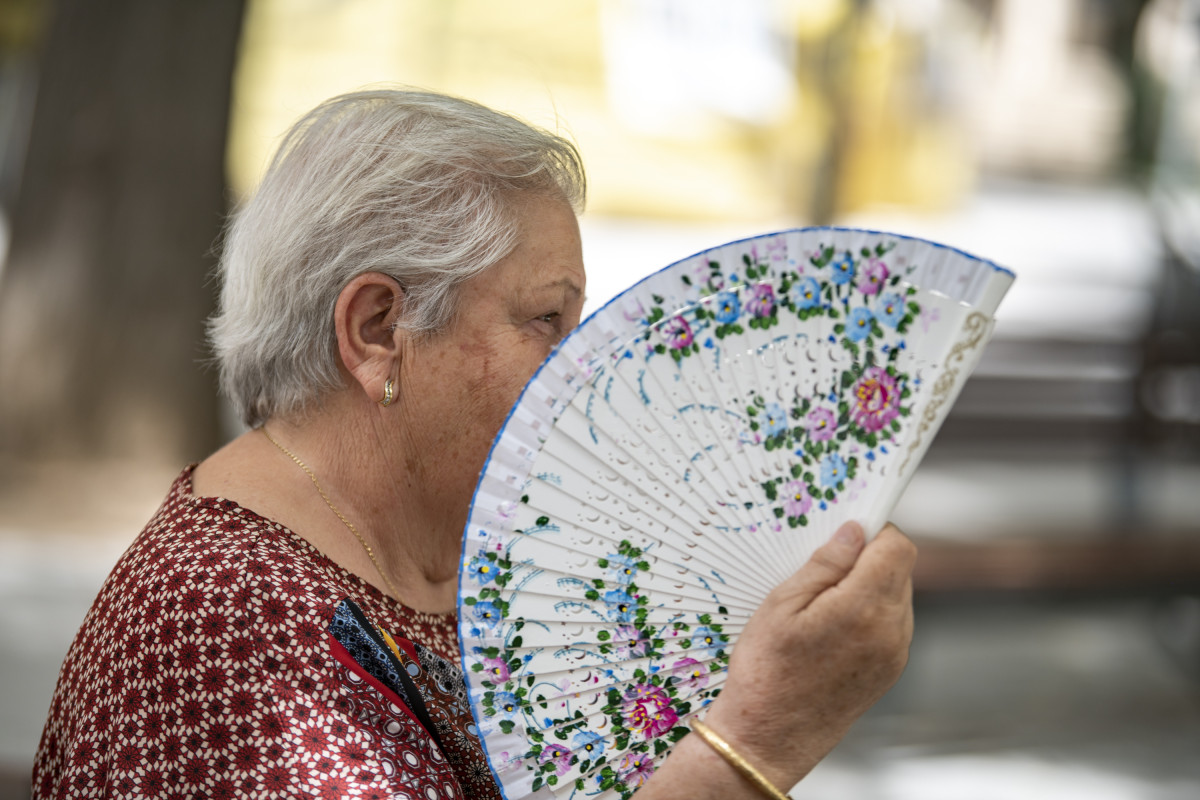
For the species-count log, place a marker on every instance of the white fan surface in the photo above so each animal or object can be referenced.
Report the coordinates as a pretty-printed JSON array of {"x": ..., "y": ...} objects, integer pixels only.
[{"x": 682, "y": 452}]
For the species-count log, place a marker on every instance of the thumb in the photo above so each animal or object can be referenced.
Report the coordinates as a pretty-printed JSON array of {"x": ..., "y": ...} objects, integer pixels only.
[{"x": 827, "y": 567}]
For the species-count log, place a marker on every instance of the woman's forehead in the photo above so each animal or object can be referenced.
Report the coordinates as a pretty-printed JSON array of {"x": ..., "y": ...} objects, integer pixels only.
[{"x": 548, "y": 257}]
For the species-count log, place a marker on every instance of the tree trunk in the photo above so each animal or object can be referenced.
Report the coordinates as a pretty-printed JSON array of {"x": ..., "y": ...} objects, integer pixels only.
[{"x": 105, "y": 292}]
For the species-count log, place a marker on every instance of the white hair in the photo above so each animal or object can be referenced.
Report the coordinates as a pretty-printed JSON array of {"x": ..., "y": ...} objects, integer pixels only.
[{"x": 415, "y": 185}]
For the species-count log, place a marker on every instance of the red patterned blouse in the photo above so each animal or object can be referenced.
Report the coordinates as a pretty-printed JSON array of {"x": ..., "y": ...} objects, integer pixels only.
[{"x": 226, "y": 657}]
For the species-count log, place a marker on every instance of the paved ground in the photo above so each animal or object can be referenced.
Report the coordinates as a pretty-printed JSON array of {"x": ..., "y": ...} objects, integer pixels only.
[
  {"x": 1096, "y": 699},
  {"x": 1029, "y": 701}
]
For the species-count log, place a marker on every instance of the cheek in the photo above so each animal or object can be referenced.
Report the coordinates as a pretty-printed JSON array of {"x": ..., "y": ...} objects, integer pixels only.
[
  {"x": 498, "y": 390},
  {"x": 492, "y": 390}
]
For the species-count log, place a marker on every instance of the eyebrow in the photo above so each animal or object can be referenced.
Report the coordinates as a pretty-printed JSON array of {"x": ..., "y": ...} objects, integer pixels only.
[{"x": 569, "y": 285}]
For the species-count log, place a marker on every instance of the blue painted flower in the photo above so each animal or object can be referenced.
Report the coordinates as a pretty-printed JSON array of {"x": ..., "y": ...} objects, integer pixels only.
[
  {"x": 774, "y": 420},
  {"x": 481, "y": 570},
  {"x": 707, "y": 639},
  {"x": 891, "y": 309},
  {"x": 833, "y": 470},
  {"x": 590, "y": 742},
  {"x": 622, "y": 568},
  {"x": 486, "y": 612},
  {"x": 506, "y": 704},
  {"x": 728, "y": 307},
  {"x": 843, "y": 269},
  {"x": 620, "y": 605},
  {"x": 806, "y": 293},
  {"x": 859, "y": 325}
]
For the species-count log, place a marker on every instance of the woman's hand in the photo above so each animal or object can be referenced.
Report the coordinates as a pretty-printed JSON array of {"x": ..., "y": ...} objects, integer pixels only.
[{"x": 823, "y": 648}]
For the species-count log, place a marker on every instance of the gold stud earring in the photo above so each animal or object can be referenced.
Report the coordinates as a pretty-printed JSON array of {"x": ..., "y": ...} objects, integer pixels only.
[{"x": 387, "y": 393}]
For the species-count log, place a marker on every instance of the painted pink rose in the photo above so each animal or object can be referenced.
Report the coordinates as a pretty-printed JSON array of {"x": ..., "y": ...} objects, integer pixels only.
[
  {"x": 762, "y": 300},
  {"x": 648, "y": 711},
  {"x": 871, "y": 279},
  {"x": 678, "y": 333},
  {"x": 690, "y": 673},
  {"x": 822, "y": 424},
  {"x": 496, "y": 670},
  {"x": 634, "y": 769},
  {"x": 796, "y": 499},
  {"x": 876, "y": 400},
  {"x": 558, "y": 755}
]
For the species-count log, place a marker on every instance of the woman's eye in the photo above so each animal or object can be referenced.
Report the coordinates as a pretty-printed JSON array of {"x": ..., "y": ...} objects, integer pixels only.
[{"x": 548, "y": 326}]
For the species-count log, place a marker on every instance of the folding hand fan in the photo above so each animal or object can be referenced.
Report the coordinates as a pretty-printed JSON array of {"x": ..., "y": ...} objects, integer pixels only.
[{"x": 682, "y": 452}]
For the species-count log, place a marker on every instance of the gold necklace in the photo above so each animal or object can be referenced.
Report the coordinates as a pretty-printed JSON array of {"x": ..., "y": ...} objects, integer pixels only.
[{"x": 366, "y": 547}]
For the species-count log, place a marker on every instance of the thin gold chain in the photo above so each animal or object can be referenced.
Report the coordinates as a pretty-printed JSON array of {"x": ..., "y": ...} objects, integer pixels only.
[{"x": 366, "y": 547}]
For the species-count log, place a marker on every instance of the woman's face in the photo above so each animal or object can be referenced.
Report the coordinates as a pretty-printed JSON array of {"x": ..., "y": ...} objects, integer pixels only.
[{"x": 457, "y": 386}]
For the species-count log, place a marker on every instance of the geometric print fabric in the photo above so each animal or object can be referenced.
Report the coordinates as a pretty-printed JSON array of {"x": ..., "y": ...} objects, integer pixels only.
[{"x": 206, "y": 668}]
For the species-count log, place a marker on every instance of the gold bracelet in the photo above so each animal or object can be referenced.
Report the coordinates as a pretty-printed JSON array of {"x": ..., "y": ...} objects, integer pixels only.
[{"x": 736, "y": 761}]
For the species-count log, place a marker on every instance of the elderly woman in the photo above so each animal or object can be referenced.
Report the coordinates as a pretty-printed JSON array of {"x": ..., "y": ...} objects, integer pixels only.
[{"x": 285, "y": 625}]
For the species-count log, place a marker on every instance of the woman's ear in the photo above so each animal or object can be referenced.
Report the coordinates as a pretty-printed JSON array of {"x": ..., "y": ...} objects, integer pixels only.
[{"x": 365, "y": 321}]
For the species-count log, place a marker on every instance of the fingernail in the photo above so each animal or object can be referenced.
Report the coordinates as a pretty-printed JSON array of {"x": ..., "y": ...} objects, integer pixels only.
[{"x": 850, "y": 533}]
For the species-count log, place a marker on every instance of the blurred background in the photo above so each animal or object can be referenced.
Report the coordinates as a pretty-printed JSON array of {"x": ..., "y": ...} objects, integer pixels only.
[{"x": 1058, "y": 637}]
